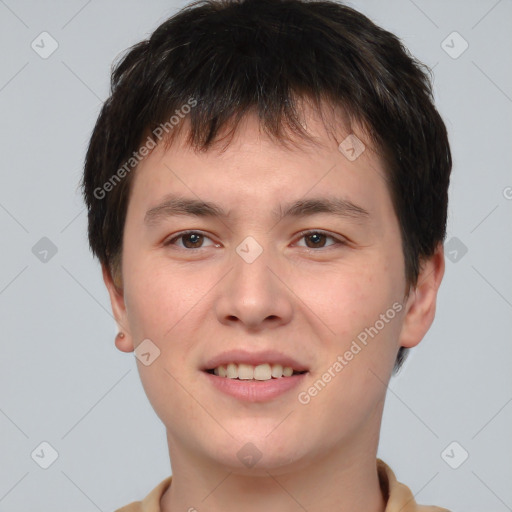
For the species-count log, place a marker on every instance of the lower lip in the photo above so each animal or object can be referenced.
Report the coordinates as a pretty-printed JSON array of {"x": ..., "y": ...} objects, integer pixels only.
[{"x": 255, "y": 390}]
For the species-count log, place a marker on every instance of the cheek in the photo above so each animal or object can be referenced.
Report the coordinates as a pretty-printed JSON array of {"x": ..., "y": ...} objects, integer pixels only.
[
  {"x": 361, "y": 306},
  {"x": 160, "y": 307},
  {"x": 157, "y": 299},
  {"x": 349, "y": 298}
]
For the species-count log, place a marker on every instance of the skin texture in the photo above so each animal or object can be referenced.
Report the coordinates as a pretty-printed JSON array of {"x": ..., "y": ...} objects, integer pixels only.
[{"x": 306, "y": 298}]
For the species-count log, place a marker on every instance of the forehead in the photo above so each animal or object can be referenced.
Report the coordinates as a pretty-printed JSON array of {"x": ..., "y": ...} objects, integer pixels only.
[
  {"x": 247, "y": 167},
  {"x": 322, "y": 127}
]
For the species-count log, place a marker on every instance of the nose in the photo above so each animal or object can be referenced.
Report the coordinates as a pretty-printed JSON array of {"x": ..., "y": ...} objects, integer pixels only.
[{"x": 254, "y": 294}]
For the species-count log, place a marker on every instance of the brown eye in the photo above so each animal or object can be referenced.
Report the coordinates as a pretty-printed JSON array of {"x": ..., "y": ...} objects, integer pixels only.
[
  {"x": 189, "y": 240},
  {"x": 317, "y": 240},
  {"x": 195, "y": 240}
]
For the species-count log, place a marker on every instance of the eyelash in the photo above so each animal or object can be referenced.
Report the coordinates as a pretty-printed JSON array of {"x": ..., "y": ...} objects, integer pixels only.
[{"x": 301, "y": 235}]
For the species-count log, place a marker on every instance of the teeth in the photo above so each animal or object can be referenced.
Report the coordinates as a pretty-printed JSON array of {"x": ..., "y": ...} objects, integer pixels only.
[
  {"x": 277, "y": 370},
  {"x": 245, "y": 372},
  {"x": 287, "y": 371},
  {"x": 264, "y": 371},
  {"x": 232, "y": 371}
]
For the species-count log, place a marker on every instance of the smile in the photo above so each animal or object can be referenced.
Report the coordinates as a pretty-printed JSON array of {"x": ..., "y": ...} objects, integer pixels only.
[
  {"x": 252, "y": 389},
  {"x": 261, "y": 372}
]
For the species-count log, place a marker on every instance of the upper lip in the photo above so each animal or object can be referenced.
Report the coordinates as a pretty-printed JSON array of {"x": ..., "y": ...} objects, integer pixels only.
[{"x": 253, "y": 358}]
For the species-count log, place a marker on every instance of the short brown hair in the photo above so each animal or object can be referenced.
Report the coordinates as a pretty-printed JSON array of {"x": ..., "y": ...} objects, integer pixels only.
[{"x": 236, "y": 57}]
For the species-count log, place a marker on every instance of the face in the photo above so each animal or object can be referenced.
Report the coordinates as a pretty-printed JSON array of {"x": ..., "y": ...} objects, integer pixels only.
[{"x": 250, "y": 280}]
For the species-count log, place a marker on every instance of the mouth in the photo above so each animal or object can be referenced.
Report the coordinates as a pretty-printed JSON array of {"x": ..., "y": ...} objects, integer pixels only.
[
  {"x": 254, "y": 376},
  {"x": 261, "y": 372},
  {"x": 254, "y": 385}
]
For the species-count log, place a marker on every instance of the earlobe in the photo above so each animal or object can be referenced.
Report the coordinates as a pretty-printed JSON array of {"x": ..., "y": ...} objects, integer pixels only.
[
  {"x": 124, "y": 343},
  {"x": 421, "y": 303},
  {"x": 123, "y": 340}
]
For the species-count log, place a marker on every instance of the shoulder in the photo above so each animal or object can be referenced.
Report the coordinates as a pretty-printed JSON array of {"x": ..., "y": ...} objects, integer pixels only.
[
  {"x": 151, "y": 503},
  {"x": 399, "y": 496},
  {"x": 135, "y": 506}
]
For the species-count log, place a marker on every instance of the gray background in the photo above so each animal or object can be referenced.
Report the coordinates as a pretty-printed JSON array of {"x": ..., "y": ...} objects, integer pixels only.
[{"x": 63, "y": 381}]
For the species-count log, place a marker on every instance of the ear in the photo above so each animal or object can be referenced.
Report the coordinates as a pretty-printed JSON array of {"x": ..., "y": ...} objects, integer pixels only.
[
  {"x": 119, "y": 310},
  {"x": 420, "y": 309}
]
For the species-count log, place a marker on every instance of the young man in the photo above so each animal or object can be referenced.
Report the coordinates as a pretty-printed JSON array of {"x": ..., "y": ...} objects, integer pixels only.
[{"x": 267, "y": 190}]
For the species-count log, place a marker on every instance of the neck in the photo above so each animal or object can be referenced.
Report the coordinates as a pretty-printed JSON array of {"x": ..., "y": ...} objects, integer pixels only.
[{"x": 341, "y": 480}]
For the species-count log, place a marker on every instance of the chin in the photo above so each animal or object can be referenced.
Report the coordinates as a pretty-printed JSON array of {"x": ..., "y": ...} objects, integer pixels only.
[{"x": 257, "y": 453}]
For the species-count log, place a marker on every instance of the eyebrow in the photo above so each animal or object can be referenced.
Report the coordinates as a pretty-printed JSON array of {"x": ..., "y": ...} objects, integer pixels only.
[{"x": 173, "y": 206}]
